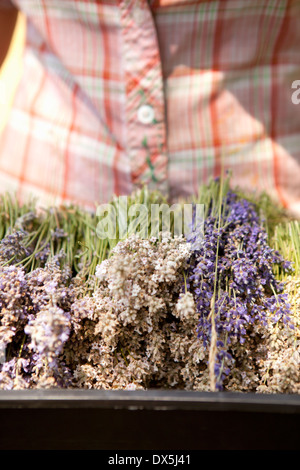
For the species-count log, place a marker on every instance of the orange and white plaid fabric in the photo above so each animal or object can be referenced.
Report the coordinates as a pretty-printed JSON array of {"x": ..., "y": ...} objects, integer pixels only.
[{"x": 118, "y": 93}]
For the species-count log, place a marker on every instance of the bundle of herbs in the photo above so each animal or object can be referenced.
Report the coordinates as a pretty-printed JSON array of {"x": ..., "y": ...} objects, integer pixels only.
[{"x": 217, "y": 309}]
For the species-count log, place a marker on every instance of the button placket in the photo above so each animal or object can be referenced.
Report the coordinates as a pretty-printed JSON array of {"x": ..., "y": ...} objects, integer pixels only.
[{"x": 145, "y": 110}]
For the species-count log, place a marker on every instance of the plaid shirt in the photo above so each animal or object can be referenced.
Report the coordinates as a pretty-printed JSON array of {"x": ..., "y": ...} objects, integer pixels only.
[{"x": 118, "y": 93}]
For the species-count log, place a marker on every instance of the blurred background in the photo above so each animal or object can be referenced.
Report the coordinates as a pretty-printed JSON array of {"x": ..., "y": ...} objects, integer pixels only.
[{"x": 13, "y": 30}]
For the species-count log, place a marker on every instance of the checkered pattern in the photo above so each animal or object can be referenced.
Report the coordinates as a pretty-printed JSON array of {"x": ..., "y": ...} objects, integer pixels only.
[{"x": 218, "y": 75}]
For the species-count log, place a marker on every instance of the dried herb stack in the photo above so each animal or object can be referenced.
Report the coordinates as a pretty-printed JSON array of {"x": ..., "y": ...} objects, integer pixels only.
[{"x": 203, "y": 313}]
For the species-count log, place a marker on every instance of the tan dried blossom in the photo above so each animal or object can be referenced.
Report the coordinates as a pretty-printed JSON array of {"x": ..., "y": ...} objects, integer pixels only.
[
  {"x": 280, "y": 372},
  {"x": 141, "y": 326}
]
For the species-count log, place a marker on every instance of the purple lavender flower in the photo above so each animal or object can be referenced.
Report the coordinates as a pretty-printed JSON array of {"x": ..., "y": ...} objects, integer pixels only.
[
  {"x": 43, "y": 254},
  {"x": 58, "y": 233},
  {"x": 13, "y": 248},
  {"x": 234, "y": 264},
  {"x": 49, "y": 331}
]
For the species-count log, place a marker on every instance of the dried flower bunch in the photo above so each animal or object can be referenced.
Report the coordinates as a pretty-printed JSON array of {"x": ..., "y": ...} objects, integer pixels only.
[
  {"x": 126, "y": 326},
  {"x": 212, "y": 312},
  {"x": 35, "y": 323},
  {"x": 233, "y": 284}
]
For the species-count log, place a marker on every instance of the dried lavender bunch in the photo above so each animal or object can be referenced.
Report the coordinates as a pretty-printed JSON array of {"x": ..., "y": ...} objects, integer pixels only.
[
  {"x": 15, "y": 308},
  {"x": 232, "y": 279},
  {"x": 14, "y": 303},
  {"x": 13, "y": 247},
  {"x": 48, "y": 331},
  {"x": 35, "y": 324}
]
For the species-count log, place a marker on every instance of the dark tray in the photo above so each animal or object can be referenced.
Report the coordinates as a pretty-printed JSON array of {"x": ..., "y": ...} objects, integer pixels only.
[{"x": 141, "y": 420}]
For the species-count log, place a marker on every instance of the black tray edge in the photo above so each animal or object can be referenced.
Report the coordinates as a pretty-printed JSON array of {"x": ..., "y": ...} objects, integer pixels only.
[{"x": 150, "y": 399}]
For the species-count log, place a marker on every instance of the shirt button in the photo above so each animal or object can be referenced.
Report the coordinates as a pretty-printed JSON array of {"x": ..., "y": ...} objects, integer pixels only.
[{"x": 146, "y": 114}]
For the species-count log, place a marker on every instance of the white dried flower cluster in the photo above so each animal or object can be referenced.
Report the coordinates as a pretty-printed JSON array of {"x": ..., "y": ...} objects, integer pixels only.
[
  {"x": 186, "y": 308},
  {"x": 187, "y": 350},
  {"x": 281, "y": 369},
  {"x": 245, "y": 374},
  {"x": 138, "y": 330},
  {"x": 269, "y": 360}
]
